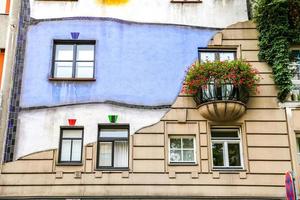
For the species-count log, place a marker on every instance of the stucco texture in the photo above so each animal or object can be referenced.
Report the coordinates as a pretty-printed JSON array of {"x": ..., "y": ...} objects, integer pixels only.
[
  {"x": 39, "y": 129},
  {"x": 140, "y": 64}
]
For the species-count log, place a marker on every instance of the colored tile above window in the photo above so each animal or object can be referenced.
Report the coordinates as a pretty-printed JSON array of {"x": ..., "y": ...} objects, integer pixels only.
[{"x": 73, "y": 60}]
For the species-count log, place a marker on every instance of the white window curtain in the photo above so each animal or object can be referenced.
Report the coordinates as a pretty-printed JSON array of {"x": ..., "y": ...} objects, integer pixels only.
[
  {"x": 121, "y": 154},
  {"x": 105, "y": 155}
]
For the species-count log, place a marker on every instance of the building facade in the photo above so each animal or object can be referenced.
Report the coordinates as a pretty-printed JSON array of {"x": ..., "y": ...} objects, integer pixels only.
[{"x": 97, "y": 112}]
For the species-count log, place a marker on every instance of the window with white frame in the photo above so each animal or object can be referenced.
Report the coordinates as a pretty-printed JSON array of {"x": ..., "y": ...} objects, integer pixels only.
[
  {"x": 182, "y": 149},
  {"x": 113, "y": 148},
  {"x": 298, "y": 147},
  {"x": 226, "y": 148},
  {"x": 73, "y": 59},
  {"x": 295, "y": 65},
  {"x": 209, "y": 54},
  {"x": 4, "y": 6},
  {"x": 71, "y": 144}
]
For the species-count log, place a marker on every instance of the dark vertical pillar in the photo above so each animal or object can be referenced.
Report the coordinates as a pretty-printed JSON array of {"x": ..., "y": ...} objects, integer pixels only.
[{"x": 14, "y": 108}]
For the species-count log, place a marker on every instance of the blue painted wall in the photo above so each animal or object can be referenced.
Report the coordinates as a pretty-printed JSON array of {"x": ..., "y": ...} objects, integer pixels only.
[{"x": 139, "y": 64}]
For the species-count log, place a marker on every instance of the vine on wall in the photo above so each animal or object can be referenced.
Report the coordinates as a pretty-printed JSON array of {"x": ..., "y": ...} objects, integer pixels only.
[{"x": 278, "y": 23}]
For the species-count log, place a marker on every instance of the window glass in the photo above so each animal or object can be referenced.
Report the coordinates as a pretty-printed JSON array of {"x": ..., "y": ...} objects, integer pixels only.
[
  {"x": 298, "y": 143},
  {"x": 66, "y": 150},
  {"x": 188, "y": 142},
  {"x": 234, "y": 155},
  {"x": 121, "y": 154},
  {"x": 84, "y": 69},
  {"x": 114, "y": 133},
  {"x": 85, "y": 52},
  {"x": 175, "y": 143},
  {"x": 72, "y": 133},
  {"x": 64, "y": 52},
  {"x": 188, "y": 155},
  {"x": 218, "y": 154},
  {"x": 298, "y": 149},
  {"x": 105, "y": 156},
  {"x": 175, "y": 155},
  {"x": 226, "y": 56},
  {"x": 216, "y": 133},
  {"x": 76, "y": 150},
  {"x": 207, "y": 56},
  {"x": 63, "y": 69}
]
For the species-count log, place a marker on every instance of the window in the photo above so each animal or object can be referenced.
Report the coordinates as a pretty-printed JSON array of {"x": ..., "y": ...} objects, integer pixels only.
[
  {"x": 113, "y": 148},
  {"x": 226, "y": 148},
  {"x": 4, "y": 6},
  {"x": 207, "y": 54},
  {"x": 225, "y": 91},
  {"x": 2, "y": 54},
  {"x": 182, "y": 149},
  {"x": 71, "y": 144},
  {"x": 295, "y": 65},
  {"x": 73, "y": 59},
  {"x": 298, "y": 147}
]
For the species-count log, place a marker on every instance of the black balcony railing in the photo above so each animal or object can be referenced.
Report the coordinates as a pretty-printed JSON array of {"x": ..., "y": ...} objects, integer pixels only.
[{"x": 221, "y": 92}]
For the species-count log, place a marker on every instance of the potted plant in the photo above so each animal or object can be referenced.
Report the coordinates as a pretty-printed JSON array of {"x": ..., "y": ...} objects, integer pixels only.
[{"x": 221, "y": 81}]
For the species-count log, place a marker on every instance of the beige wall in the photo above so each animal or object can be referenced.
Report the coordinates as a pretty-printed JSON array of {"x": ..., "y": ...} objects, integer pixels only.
[{"x": 265, "y": 139}]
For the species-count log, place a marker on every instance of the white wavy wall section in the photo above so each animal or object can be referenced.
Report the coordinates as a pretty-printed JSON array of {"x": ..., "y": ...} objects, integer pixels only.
[
  {"x": 39, "y": 130},
  {"x": 209, "y": 13}
]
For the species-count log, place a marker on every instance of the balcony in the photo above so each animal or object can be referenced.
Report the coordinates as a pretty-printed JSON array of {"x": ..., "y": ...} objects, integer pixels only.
[
  {"x": 224, "y": 102},
  {"x": 221, "y": 88}
]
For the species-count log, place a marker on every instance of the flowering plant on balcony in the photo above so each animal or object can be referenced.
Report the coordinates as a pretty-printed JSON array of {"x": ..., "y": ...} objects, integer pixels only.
[{"x": 236, "y": 74}]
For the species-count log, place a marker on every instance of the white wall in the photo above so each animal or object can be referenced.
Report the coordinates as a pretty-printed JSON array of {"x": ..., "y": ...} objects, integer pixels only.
[
  {"x": 39, "y": 130},
  {"x": 209, "y": 13}
]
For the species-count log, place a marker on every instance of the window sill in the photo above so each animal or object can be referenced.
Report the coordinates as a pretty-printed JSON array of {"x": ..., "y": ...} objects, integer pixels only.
[
  {"x": 183, "y": 164},
  {"x": 290, "y": 104},
  {"x": 72, "y": 79},
  {"x": 186, "y": 1},
  {"x": 112, "y": 169},
  {"x": 229, "y": 170},
  {"x": 69, "y": 164}
]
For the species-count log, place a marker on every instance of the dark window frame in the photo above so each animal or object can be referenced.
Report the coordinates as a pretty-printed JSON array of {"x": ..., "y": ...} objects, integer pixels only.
[
  {"x": 74, "y": 43},
  {"x": 217, "y": 52},
  {"x": 62, "y": 128},
  {"x": 112, "y": 140}
]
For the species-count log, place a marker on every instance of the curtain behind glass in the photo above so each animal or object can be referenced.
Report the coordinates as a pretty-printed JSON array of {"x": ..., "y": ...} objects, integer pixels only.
[{"x": 121, "y": 154}]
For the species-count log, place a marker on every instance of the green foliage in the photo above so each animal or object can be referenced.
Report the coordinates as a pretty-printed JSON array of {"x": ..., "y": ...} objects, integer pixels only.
[
  {"x": 278, "y": 22},
  {"x": 237, "y": 72}
]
